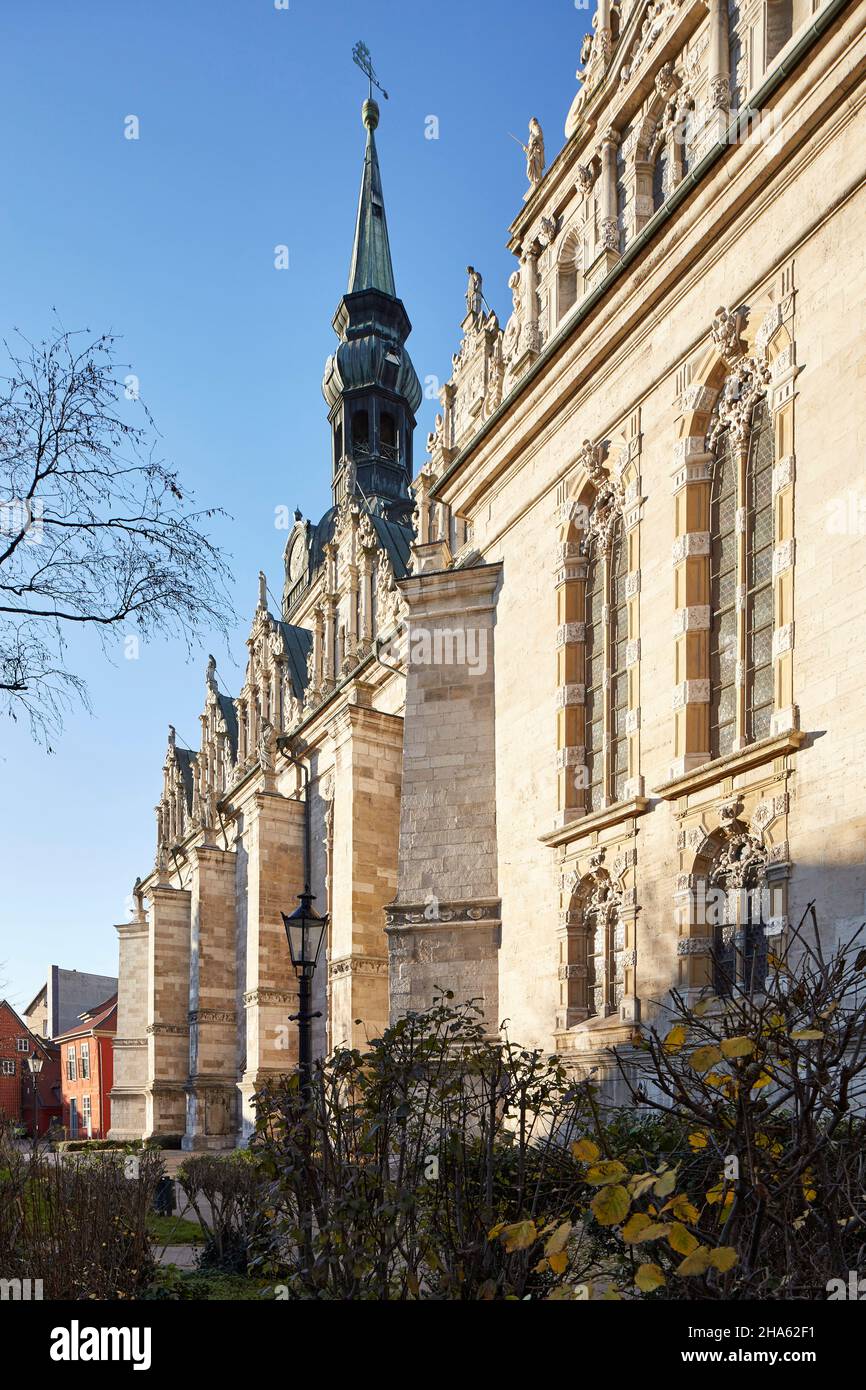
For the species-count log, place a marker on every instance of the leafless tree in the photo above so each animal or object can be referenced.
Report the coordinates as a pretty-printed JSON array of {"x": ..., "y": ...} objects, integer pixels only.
[{"x": 96, "y": 532}]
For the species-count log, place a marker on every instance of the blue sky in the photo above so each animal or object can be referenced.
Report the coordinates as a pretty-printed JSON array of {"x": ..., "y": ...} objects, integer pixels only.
[{"x": 250, "y": 137}]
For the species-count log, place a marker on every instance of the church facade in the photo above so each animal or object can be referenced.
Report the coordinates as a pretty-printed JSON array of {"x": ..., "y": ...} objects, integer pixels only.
[{"x": 569, "y": 714}]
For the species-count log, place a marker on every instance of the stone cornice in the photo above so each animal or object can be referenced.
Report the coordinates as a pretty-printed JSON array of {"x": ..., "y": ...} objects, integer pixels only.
[
  {"x": 709, "y": 773},
  {"x": 582, "y": 826}
]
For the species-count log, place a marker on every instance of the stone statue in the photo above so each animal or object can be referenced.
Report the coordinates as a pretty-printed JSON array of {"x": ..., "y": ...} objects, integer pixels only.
[
  {"x": 473, "y": 293},
  {"x": 210, "y": 674},
  {"x": 266, "y": 746},
  {"x": 535, "y": 154}
]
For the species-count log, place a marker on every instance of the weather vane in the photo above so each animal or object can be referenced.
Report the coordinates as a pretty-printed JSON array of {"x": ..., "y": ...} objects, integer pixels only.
[{"x": 361, "y": 56}]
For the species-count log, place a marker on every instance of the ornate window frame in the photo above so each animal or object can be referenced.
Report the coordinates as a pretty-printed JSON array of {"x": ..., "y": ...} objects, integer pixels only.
[
  {"x": 602, "y": 495},
  {"x": 731, "y": 378},
  {"x": 726, "y": 848},
  {"x": 597, "y": 955}
]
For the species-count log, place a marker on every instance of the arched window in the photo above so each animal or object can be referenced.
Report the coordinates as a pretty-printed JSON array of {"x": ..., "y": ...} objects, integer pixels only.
[
  {"x": 593, "y": 972},
  {"x": 566, "y": 278},
  {"x": 741, "y": 589},
  {"x": 738, "y": 882}
]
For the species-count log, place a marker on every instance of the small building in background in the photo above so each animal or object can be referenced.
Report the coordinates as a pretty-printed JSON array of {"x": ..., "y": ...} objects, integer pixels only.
[
  {"x": 18, "y": 1103},
  {"x": 87, "y": 1071},
  {"x": 66, "y": 994}
]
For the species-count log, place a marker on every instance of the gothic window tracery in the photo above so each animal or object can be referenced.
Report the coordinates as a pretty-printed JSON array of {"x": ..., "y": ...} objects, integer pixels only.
[
  {"x": 738, "y": 875},
  {"x": 594, "y": 972}
]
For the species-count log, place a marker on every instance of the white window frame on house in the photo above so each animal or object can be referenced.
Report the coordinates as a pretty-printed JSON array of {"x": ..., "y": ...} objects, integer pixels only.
[
  {"x": 85, "y": 1061},
  {"x": 8, "y": 1067},
  {"x": 22, "y": 1044},
  {"x": 87, "y": 1115},
  {"x": 71, "y": 1065}
]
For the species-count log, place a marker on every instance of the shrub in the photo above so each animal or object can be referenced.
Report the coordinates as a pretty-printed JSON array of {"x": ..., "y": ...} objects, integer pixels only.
[
  {"x": 80, "y": 1226},
  {"x": 227, "y": 1195}
]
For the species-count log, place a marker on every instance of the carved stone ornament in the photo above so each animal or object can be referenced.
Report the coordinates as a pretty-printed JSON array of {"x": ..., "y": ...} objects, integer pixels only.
[
  {"x": 585, "y": 179},
  {"x": 745, "y": 385}
]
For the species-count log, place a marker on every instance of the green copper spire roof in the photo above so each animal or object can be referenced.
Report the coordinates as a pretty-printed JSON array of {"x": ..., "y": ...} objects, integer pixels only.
[{"x": 371, "y": 256}]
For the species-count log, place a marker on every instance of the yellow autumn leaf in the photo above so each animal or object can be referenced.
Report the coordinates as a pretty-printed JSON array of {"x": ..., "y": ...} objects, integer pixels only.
[
  {"x": 585, "y": 1151},
  {"x": 705, "y": 1057},
  {"x": 607, "y": 1172},
  {"x": 632, "y": 1231},
  {"x": 649, "y": 1277},
  {"x": 496, "y": 1230},
  {"x": 695, "y": 1263},
  {"x": 666, "y": 1183},
  {"x": 698, "y": 1140},
  {"x": 807, "y": 1035},
  {"x": 763, "y": 1079},
  {"x": 519, "y": 1236},
  {"x": 682, "y": 1240},
  {"x": 558, "y": 1262},
  {"x": 682, "y": 1209},
  {"x": 675, "y": 1039},
  {"x": 610, "y": 1206},
  {"x": 656, "y": 1231},
  {"x": 737, "y": 1047},
  {"x": 724, "y": 1258},
  {"x": 641, "y": 1183},
  {"x": 558, "y": 1240}
]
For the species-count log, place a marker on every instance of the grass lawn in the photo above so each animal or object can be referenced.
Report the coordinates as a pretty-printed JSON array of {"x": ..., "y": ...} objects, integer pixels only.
[
  {"x": 204, "y": 1286},
  {"x": 174, "y": 1230}
]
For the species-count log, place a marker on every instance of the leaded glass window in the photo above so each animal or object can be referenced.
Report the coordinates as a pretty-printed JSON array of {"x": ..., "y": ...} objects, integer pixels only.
[
  {"x": 759, "y": 566},
  {"x": 594, "y": 695},
  {"x": 618, "y": 673},
  {"x": 723, "y": 600}
]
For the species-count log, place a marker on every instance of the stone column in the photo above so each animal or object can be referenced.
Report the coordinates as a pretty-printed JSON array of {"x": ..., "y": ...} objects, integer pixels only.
[
  {"x": 212, "y": 1092},
  {"x": 366, "y": 808},
  {"x": 444, "y": 924},
  {"x": 167, "y": 1011},
  {"x": 718, "y": 70},
  {"x": 128, "y": 1106},
  {"x": 608, "y": 245},
  {"x": 273, "y": 852}
]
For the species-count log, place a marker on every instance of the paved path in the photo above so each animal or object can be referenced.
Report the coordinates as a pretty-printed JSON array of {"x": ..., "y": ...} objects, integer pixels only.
[{"x": 184, "y": 1256}]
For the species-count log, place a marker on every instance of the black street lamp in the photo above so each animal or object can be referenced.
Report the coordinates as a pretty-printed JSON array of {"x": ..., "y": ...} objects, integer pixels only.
[
  {"x": 305, "y": 931},
  {"x": 35, "y": 1065}
]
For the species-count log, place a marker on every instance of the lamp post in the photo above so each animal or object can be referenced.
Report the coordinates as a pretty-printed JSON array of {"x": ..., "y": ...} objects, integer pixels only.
[
  {"x": 35, "y": 1065},
  {"x": 305, "y": 931}
]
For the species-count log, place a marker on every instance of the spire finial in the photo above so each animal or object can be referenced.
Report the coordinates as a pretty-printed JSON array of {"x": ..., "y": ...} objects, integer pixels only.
[{"x": 361, "y": 56}]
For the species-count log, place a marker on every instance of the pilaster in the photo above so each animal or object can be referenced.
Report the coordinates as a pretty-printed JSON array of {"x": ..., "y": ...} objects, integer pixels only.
[{"x": 368, "y": 747}]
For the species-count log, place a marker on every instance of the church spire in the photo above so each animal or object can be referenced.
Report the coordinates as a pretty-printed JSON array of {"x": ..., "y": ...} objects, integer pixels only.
[
  {"x": 371, "y": 255},
  {"x": 370, "y": 385}
]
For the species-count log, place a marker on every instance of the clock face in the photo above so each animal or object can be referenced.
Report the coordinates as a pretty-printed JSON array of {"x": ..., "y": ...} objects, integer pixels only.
[{"x": 297, "y": 559}]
